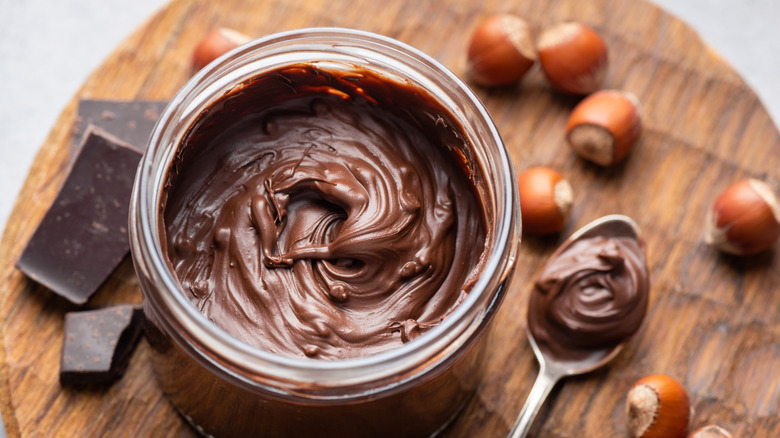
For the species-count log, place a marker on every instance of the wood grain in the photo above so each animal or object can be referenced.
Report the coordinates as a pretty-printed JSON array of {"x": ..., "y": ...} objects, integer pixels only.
[{"x": 713, "y": 319}]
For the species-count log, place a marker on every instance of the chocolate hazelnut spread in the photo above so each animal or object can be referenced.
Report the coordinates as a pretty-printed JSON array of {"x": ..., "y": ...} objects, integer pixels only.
[
  {"x": 324, "y": 213},
  {"x": 591, "y": 297}
]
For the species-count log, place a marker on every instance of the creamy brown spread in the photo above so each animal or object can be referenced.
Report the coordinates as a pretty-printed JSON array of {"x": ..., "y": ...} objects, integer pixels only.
[
  {"x": 592, "y": 296},
  {"x": 324, "y": 213}
]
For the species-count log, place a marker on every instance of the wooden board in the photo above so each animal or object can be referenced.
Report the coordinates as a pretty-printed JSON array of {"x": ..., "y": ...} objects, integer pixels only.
[{"x": 713, "y": 319}]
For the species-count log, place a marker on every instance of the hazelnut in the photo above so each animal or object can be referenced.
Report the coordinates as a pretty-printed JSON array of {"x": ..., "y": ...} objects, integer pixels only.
[
  {"x": 573, "y": 57},
  {"x": 545, "y": 200},
  {"x": 711, "y": 431},
  {"x": 501, "y": 50},
  {"x": 604, "y": 126},
  {"x": 657, "y": 407},
  {"x": 215, "y": 44},
  {"x": 745, "y": 218}
]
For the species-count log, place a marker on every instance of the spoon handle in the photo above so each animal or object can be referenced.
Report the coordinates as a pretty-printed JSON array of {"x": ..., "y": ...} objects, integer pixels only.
[{"x": 544, "y": 383}]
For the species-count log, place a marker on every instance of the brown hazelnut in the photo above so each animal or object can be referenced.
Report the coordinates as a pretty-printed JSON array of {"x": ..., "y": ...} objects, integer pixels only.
[
  {"x": 501, "y": 50},
  {"x": 745, "y": 218},
  {"x": 711, "y": 431},
  {"x": 657, "y": 407},
  {"x": 215, "y": 44},
  {"x": 545, "y": 200},
  {"x": 573, "y": 57},
  {"x": 604, "y": 126}
]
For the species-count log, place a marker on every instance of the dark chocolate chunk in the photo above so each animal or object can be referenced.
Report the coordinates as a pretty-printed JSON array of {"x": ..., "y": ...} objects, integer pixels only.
[
  {"x": 97, "y": 344},
  {"x": 130, "y": 121},
  {"x": 83, "y": 236}
]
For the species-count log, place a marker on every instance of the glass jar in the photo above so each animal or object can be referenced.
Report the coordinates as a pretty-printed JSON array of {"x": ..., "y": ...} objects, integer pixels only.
[{"x": 225, "y": 387}]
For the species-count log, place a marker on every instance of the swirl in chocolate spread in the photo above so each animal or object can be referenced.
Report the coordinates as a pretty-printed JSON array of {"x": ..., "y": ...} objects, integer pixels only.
[
  {"x": 590, "y": 297},
  {"x": 324, "y": 214}
]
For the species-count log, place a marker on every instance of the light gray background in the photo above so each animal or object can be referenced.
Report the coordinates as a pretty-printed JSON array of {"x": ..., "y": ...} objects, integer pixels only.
[{"x": 49, "y": 47}]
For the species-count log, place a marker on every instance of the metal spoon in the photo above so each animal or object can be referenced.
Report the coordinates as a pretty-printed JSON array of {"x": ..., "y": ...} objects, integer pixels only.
[{"x": 552, "y": 369}]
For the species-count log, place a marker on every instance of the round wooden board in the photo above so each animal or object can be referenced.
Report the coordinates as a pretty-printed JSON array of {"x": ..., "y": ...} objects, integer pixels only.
[{"x": 713, "y": 319}]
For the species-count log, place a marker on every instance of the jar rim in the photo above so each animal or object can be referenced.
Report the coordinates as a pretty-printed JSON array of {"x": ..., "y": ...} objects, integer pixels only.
[{"x": 253, "y": 363}]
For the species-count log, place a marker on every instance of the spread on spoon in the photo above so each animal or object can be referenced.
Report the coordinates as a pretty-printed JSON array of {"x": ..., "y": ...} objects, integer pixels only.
[{"x": 590, "y": 297}]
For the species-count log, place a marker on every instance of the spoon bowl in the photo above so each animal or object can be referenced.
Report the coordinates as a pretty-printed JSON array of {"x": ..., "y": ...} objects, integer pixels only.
[{"x": 552, "y": 368}]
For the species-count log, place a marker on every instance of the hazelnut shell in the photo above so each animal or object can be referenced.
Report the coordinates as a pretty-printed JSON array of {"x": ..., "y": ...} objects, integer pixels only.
[
  {"x": 711, "y": 431},
  {"x": 574, "y": 57},
  {"x": 745, "y": 218},
  {"x": 604, "y": 126},
  {"x": 501, "y": 51},
  {"x": 215, "y": 44},
  {"x": 657, "y": 407},
  {"x": 545, "y": 200}
]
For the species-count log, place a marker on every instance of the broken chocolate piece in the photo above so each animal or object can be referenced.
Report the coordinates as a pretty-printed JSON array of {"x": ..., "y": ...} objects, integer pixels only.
[
  {"x": 83, "y": 236},
  {"x": 98, "y": 343},
  {"x": 130, "y": 121}
]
